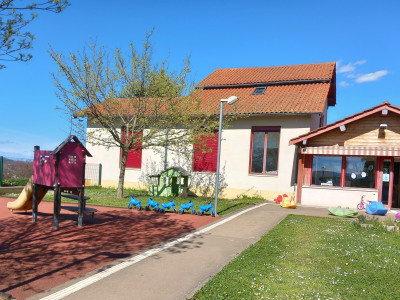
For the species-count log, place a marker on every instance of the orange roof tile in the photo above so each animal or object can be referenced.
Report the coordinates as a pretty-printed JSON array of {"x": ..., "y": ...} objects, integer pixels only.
[
  {"x": 234, "y": 76},
  {"x": 301, "y": 98},
  {"x": 290, "y": 89}
]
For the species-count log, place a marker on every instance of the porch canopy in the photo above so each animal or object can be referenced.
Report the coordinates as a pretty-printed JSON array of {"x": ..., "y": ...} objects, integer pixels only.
[{"x": 351, "y": 150}]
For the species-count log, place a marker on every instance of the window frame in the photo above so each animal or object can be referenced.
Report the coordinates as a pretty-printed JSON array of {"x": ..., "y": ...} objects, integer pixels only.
[
  {"x": 343, "y": 172},
  {"x": 342, "y": 161},
  {"x": 266, "y": 130},
  {"x": 259, "y": 90}
]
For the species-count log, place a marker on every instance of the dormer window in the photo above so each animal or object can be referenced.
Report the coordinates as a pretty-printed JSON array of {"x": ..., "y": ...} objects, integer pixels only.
[{"x": 259, "y": 90}]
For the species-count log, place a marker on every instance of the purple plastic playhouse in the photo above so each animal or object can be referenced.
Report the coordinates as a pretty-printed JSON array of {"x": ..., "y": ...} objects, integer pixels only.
[{"x": 62, "y": 170}]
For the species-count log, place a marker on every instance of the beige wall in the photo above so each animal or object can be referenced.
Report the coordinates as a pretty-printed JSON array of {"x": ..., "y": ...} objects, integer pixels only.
[
  {"x": 332, "y": 197},
  {"x": 235, "y": 151}
]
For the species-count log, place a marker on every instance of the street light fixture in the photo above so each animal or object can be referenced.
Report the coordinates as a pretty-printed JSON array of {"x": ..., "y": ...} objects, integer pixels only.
[{"x": 230, "y": 100}]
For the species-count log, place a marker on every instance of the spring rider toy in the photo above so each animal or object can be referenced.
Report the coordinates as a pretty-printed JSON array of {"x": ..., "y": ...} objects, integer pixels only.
[
  {"x": 136, "y": 203},
  {"x": 170, "y": 204},
  {"x": 207, "y": 208},
  {"x": 153, "y": 204},
  {"x": 187, "y": 207}
]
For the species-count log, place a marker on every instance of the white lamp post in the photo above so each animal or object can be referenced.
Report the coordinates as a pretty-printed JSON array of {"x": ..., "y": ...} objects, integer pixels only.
[{"x": 230, "y": 100}]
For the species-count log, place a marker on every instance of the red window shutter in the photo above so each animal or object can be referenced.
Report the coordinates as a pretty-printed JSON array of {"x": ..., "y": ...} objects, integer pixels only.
[
  {"x": 134, "y": 159},
  {"x": 206, "y": 162}
]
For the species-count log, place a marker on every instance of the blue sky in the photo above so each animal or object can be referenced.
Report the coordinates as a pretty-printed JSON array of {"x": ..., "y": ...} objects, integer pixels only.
[{"x": 361, "y": 36}]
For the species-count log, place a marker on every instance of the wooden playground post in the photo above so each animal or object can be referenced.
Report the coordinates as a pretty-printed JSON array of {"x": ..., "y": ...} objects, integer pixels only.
[
  {"x": 35, "y": 195},
  {"x": 81, "y": 197},
  {"x": 57, "y": 195},
  {"x": 81, "y": 206},
  {"x": 34, "y": 203}
]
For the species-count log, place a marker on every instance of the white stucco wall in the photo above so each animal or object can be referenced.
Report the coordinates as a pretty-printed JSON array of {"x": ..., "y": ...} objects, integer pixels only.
[
  {"x": 332, "y": 197},
  {"x": 235, "y": 156},
  {"x": 235, "y": 159}
]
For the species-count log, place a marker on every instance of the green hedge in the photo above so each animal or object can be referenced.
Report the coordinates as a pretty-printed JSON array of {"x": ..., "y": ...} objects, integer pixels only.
[{"x": 15, "y": 181}]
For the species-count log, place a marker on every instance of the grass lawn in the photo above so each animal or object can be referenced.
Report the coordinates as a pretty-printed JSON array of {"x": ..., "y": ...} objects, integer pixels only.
[
  {"x": 313, "y": 258},
  {"x": 107, "y": 197}
]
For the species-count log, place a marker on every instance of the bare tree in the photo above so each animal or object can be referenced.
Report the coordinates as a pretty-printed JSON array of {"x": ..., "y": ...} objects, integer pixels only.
[
  {"x": 14, "y": 17},
  {"x": 135, "y": 102}
]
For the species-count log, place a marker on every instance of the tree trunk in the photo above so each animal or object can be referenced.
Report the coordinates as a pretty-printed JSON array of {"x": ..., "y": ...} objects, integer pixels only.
[{"x": 120, "y": 192}]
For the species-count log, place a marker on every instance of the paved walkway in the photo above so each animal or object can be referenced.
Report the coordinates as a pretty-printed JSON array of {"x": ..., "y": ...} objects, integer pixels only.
[{"x": 177, "y": 268}]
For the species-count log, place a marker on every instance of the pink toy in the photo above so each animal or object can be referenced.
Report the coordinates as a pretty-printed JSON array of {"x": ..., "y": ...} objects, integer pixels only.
[{"x": 363, "y": 202}]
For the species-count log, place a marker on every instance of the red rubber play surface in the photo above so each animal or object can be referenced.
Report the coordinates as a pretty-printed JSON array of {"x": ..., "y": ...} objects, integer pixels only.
[{"x": 34, "y": 257}]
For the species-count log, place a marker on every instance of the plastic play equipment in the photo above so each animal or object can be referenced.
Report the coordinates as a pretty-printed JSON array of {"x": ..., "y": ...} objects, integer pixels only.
[
  {"x": 376, "y": 208},
  {"x": 288, "y": 203},
  {"x": 24, "y": 200},
  {"x": 279, "y": 199},
  {"x": 363, "y": 202},
  {"x": 339, "y": 212},
  {"x": 206, "y": 208},
  {"x": 170, "y": 182},
  {"x": 170, "y": 204},
  {"x": 397, "y": 217},
  {"x": 153, "y": 204},
  {"x": 136, "y": 203},
  {"x": 61, "y": 170},
  {"x": 187, "y": 207}
]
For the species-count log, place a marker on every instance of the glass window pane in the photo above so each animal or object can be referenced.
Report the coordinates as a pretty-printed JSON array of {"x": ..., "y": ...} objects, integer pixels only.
[
  {"x": 326, "y": 170},
  {"x": 272, "y": 152},
  {"x": 257, "y": 155},
  {"x": 360, "y": 172}
]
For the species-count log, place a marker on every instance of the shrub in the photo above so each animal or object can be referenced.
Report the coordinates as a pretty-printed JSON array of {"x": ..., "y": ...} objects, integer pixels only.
[{"x": 15, "y": 181}]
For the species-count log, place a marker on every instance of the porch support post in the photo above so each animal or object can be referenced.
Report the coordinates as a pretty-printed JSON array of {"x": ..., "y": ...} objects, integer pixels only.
[
  {"x": 300, "y": 175},
  {"x": 391, "y": 179}
]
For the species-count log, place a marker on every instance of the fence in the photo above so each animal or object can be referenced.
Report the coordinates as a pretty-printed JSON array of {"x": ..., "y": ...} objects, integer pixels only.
[
  {"x": 1, "y": 171},
  {"x": 93, "y": 174}
]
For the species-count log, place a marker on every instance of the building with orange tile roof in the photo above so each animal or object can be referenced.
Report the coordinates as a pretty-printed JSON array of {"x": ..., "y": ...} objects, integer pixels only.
[
  {"x": 275, "y": 105},
  {"x": 353, "y": 158}
]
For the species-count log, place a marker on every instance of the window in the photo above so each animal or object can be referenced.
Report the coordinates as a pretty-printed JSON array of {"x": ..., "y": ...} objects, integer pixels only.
[
  {"x": 326, "y": 170},
  {"x": 72, "y": 159},
  {"x": 344, "y": 171},
  {"x": 134, "y": 159},
  {"x": 264, "y": 150},
  {"x": 259, "y": 90},
  {"x": 206, "y": 161},
  {"x": 360, "y": 172}
]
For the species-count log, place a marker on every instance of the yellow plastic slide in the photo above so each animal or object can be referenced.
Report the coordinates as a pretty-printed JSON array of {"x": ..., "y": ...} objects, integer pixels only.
[{"x": 24, "y": 201}]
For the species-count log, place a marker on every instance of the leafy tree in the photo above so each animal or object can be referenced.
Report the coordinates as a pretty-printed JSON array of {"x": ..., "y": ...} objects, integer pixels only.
[
  {"x": 14, "y": 41},
  {"x": 156, "y": 106}
]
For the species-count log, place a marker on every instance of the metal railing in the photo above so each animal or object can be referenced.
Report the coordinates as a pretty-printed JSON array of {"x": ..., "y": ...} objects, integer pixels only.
[
  {"x": 93, "y": 174},
  {"x": 1, "y": 171}
]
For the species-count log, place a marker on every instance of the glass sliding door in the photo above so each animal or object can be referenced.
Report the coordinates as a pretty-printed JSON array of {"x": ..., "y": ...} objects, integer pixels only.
[{"x": 386, "y": 181}]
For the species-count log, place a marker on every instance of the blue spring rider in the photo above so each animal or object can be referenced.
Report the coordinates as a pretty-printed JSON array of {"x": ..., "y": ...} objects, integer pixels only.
[
  {"x": 207, "y": 208},
  {"x": 136, "y": 203},
  {"x": 187, "y": 207},
  {"x": 153, "y": 204},
  {"x": 170, "y": 204}
]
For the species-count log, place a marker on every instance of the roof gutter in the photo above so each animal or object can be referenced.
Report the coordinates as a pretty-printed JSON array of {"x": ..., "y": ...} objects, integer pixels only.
[{"x": 267, "y": 83}]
